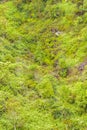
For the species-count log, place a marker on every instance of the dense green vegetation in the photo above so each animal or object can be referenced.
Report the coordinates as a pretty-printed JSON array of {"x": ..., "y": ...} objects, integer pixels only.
[{"x": 43, "y": 64}]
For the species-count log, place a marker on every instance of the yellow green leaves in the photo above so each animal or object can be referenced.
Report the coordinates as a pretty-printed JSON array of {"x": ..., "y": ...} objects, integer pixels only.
[
  {"x": 45, "y": 88},
  {"x": 43, "y": 48}
]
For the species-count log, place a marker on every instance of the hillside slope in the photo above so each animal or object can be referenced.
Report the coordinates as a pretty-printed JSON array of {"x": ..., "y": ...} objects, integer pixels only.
[{"x": 43, "y": 65}]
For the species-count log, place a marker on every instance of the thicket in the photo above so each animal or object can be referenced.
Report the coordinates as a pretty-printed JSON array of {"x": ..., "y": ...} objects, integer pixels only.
[{"x": 43, "y": 64}]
